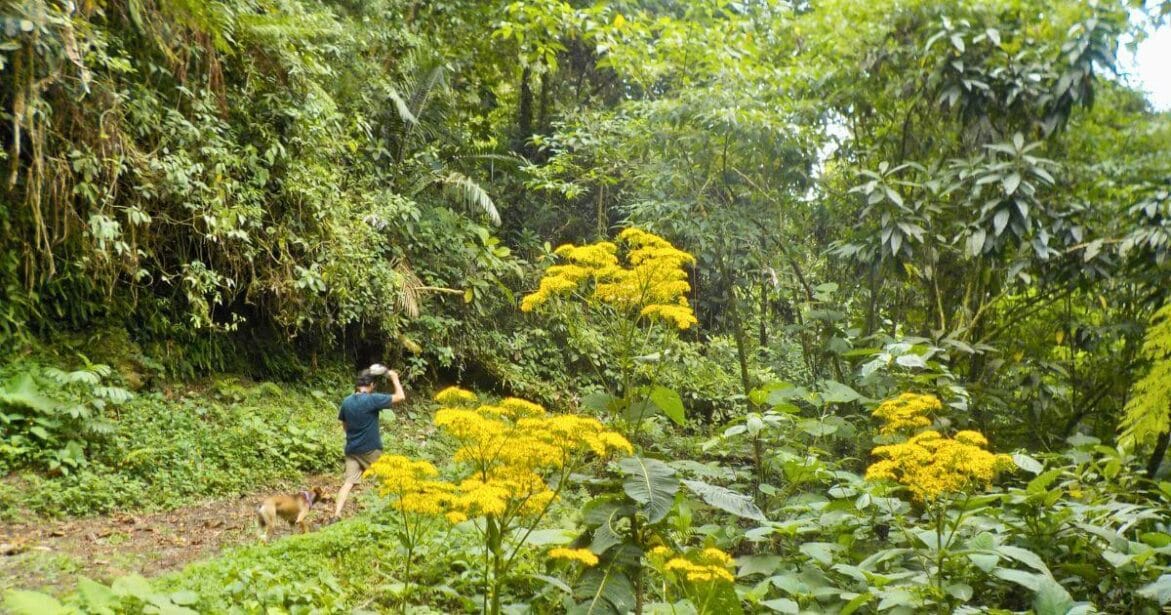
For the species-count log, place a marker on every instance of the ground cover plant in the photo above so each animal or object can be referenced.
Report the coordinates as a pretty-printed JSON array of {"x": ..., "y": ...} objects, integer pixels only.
[{"x": 701, "y": 307}]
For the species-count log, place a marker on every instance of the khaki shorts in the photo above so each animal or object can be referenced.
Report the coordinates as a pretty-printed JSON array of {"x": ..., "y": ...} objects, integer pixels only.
[{"x": 356, "y": 464}]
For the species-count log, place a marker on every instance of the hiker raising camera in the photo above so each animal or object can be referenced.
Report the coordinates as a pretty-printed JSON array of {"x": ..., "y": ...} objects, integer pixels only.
[{"x": 359, "y": 416}]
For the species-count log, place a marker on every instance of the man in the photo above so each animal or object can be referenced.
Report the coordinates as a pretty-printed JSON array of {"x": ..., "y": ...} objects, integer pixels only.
[{"x": 359, "y": 417}]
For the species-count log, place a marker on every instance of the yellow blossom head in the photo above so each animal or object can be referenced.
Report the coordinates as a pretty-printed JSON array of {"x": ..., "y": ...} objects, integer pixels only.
[
  {"x": 514, "y": 449},
  {"x": 707, "y": 568},
  {"x": 930, "y": 464},
  {"x": 455, "y": 396},
  {"x": 582, "y": 556},
  {"x": 907, "y": 412},
  {"x": 652, "y": 284}
]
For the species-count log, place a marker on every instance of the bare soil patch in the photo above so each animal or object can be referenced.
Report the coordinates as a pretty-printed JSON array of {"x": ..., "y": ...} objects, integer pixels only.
[{"x": 49, "y": 555}]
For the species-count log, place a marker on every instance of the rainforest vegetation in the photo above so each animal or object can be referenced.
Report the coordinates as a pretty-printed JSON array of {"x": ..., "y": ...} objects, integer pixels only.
[{"x": 702, "y": 306}]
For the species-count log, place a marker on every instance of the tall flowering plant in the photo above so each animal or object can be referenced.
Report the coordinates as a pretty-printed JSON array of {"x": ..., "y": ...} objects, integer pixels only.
[
  {"x": 515, "y": 459},
  {"x": 627, "y": 287},
  {"x": 934, "y": 468},
  {"x": 417, "y": 499}
]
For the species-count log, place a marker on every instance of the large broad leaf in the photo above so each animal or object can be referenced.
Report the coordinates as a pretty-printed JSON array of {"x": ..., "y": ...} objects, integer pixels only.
[
  {"x": 1159, "y": 591},
  {"x": 22, "y": 391},
  {"x": 605, "y": 588},
  {"x": 669, "y": 402},
  {"x": 834, "y": 392},
  {"x": 600, "y": 402},
  {"x": 606, "y": 516},
  {"x": 1024, "y": 556},
  {"x": 32, "y": 603},
  {"x": 727, "y": 500},
  {"x": 652, "y": 484},
  {"x": 96, "y": 595},
  {"x": 605, "y": 509},
  {"x": 782, "y": 605},
  {"x": 1051, "y": 598},
  {"x": 1030, "y": 580}
]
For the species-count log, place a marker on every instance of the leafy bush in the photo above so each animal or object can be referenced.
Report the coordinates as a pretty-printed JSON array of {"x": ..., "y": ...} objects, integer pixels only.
[{"x": 54, "y": 420}]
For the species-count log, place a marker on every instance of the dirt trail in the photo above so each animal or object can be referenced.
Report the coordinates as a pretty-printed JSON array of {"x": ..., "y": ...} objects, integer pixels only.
[{"x": 49, "y": 555}]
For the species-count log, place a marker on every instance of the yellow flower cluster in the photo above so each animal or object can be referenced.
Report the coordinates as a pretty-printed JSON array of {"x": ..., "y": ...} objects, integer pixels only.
[
  {"x": 907, "y": 412},
  {"x": 707, "y": 565},
  {"x": 930, "y": 464},
  {"x": 409, "y": 482},
  {"x": 511, "y": 446},
  {"x": 585, "y": 556},
  {"x": 454, "y": 396},
  {"x": 653, "y": 284}
]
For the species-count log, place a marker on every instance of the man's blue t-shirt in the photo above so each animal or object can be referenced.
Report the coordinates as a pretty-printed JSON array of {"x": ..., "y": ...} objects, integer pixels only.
[{"x": 360, "y": 413}]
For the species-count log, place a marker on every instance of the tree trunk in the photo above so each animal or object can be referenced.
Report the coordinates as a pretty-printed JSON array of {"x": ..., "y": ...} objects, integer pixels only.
[
  {"x": 739, "y": 336},
  {"x": 524, "y": 119},
  {"x": 1157, "y": 455}
]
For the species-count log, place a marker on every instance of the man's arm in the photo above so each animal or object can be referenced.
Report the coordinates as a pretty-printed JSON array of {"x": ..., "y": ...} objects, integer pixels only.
[{"x": 399, "y": 395}]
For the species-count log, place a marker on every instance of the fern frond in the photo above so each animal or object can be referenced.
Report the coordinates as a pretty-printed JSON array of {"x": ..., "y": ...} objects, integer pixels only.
[
  {"x": 465, "y": 190},
  {"x": 1148, "y": 413}
]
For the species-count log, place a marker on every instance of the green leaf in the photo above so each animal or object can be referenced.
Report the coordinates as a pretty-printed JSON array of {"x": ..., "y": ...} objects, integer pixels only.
[
  {"x": 757, "y": 564},
  {"x": 94, "y": 594},
  {"x": 546, "y": 537},
  {"x": 727, "y": 500},
  {"x": 19, "y": 602},
  {"x": 821, "y": 552},
  {"x": 553, "y": 582},
  {"x": 782, "y": 605},
  {"x": 1159, "y": 590},
  {"x": 185, "y": 597},
  {"x": 895, "y": 597},
  {"x": 1030, "y": 580},
  {"x": 132, "y": 586},
  {"x": 599, "y": 402},
  {"x": 960, "y": 591},
  {"x": 22, "y": 391},
  {"x": 1011, "y": 182},
  {"x": 1051, "y": 598},
  {"x": 1027, "y": 463},
  {"x": 605, "y": 589},
  {"x": 984, "y": 561},
  {"x": 652, "y": 484},
  {"x": 856, "y": 603},
  {"x": 1023, "y": 556},
  {"x": 670, "y": 403},
  {"x": 816, "y": 427},
  {"x": 1041, "y": 483},
  {"x": 834, "y": 392}
]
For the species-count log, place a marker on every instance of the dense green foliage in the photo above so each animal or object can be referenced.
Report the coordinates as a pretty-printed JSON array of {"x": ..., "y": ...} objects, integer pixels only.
[
  {"x": 164, "y": 449},
  {"x": 961, "y": 200}
]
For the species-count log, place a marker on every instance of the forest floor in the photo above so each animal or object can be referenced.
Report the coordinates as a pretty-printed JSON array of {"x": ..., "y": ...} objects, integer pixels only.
[{"x": 50, "y": 555}]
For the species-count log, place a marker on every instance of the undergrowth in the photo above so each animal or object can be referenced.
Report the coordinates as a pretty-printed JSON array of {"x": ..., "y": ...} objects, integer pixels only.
[{"x": 168, "y": 448}]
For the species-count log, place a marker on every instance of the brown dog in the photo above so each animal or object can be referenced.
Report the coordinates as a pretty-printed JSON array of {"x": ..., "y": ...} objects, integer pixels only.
[{"x": 291, "y": 508}]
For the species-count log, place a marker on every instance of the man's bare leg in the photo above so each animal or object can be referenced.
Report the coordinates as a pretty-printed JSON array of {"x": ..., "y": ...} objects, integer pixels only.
[{"x": 342, "y": 494}]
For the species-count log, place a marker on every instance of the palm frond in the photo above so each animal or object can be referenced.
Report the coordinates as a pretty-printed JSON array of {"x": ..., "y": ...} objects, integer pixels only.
[
  {"x": 408, "y": 293},
  {"x": 468, "y": 193},
  {"x": 400, "y": 105}
]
